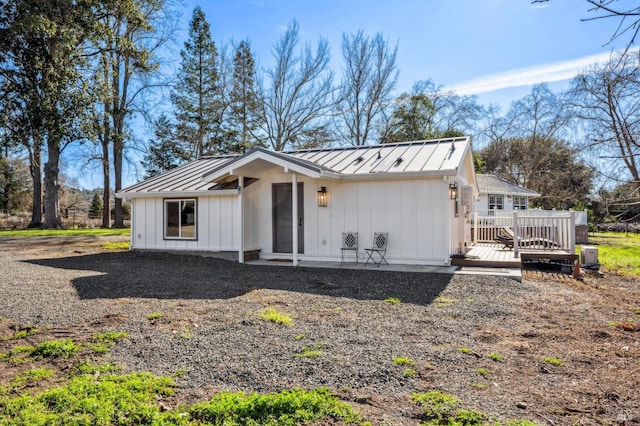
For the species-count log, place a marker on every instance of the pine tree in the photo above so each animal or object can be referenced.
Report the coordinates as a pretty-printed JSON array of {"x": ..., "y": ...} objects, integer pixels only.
[
  {"x": 244, "y": 114},
  {"x": 95, "y": 209},
  {"x": 165, "y": 153},
  {"x": 196, "y": 95}
]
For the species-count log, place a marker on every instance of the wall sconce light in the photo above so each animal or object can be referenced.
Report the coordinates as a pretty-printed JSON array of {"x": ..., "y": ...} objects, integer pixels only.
[
  {"x": 453, "y": 191},
  {"x": 322, "y": 197}
]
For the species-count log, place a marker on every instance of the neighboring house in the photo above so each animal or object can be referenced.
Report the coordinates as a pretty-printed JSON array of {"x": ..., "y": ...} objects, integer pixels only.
[
  {"x": 419, "y": 192},
  {"x": 500, "y": 194}
]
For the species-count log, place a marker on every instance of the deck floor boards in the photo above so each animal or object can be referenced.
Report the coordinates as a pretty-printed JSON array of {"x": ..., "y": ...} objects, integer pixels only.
[{"x": 496, "y": 255}]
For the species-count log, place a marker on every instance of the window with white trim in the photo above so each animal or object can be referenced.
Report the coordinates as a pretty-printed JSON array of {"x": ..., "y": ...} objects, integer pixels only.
[
  {"x": 496, "y": 202},
  {"x": 520, "y": 202},
  {"x": 180, "y": 219}
]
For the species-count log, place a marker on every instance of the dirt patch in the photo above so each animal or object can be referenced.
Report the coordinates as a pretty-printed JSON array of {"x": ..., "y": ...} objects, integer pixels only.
[{"x": 550, "y": 349}]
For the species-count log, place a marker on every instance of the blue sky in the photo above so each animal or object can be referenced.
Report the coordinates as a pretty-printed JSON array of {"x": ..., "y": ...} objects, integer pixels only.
[
  {"x": 476, "y": 47},
  {"x": 495, "y": 49}
]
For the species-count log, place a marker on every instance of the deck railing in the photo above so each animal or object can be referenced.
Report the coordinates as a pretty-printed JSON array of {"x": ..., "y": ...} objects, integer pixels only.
[{"x": 528, "y": 231}]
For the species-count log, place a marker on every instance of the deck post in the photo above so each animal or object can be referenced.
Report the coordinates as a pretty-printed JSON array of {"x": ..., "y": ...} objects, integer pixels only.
[
  {"x": 572, "y": 233},
  {"x": 241, "y": 207},
  {"x": 516, "y": 242},
  {"x": 475, "y": 227},
  {"x": 294, "y": 217}
]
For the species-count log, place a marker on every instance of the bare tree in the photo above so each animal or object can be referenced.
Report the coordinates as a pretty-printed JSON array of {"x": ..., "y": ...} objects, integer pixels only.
[
  {"x": 369, "y": 75},
  {"x": 297, "y": 94},
  {"x": 606, "y": 100}
]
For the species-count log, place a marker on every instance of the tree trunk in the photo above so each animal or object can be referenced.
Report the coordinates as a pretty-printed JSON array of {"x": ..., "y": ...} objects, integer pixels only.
[
  {"x": 106, "y": 195},
  {"x": 51, "y": 204},
  {"x": 35, "y": 158},
  {"x": 117, "y": 171}
]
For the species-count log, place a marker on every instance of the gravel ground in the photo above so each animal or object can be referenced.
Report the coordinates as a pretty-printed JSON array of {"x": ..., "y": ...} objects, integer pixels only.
[{"x": 210, "y": 328}]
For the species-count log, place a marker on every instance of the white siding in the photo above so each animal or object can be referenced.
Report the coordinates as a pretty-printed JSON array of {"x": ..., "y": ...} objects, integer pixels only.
[{"x": 217, "y": 227}]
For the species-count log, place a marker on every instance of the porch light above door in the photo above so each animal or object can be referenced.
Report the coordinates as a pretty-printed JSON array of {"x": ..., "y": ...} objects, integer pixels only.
[{"x": 322, "y": 197}]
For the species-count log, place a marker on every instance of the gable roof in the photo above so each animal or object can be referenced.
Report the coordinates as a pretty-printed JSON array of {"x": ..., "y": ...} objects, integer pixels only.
[
  {"x": 417, "y": 158},
  {"x": 489, "y": 184}
]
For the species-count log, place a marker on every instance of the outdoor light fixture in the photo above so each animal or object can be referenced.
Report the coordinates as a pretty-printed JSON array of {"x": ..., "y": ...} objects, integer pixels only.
[
  {"x": 322, "y": 197},
  {"x": 453, "y": 191}
]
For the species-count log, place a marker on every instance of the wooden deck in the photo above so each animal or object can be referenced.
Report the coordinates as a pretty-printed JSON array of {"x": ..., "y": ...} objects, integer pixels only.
[{"x": 497, "y": 256}]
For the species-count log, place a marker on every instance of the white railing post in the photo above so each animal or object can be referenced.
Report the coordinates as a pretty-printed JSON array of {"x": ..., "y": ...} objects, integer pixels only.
[
  {"x": 515, "y": 234},
  {"x": 475, "y": 227},
  {"x": 572, "y": 233}
]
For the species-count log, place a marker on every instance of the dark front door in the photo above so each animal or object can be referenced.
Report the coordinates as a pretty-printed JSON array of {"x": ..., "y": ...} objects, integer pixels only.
[{"x": 283, "y": 218}]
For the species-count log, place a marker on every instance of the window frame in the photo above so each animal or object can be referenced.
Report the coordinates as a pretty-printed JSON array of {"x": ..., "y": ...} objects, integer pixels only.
[
  {"x": 165, "y": 217},
  {"x": 519, "y": 201},
  {"x": 497, "y": 205}
]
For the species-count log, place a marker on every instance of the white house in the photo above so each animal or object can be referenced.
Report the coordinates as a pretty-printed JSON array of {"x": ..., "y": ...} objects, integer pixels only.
[
  {"x": 419, "y": 192},
  {"x": 500, "y": 194}
]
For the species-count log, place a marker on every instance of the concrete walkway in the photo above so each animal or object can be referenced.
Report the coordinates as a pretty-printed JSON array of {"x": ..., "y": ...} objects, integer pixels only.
[{"x": 514, "y": 273}]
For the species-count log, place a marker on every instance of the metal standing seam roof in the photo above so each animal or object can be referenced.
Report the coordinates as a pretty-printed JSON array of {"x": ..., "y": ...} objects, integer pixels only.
[
  {"x": 443, "y": 155},
  {"x": 489, "y": 184}
]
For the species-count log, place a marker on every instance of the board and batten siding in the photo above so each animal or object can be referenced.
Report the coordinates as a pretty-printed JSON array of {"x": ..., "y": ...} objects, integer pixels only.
[
  {"x": 410, "y": 210},
  {"x": 217, "y": 226}
]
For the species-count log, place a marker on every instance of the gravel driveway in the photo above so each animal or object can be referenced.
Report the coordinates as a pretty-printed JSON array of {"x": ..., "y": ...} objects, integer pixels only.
[{"x": 210, "y": 327}]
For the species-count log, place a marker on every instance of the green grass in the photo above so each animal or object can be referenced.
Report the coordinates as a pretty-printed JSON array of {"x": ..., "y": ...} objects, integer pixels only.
[
  {"x": 310, "y": 352},
  {"x": 553, "y": 361},
  {"x": 618, "y": 253},
  {"x": 64, "y": 348},
  {"x": 124, "y": 245},
  {"x": 409, "y": 372},
  {"x": 443, "y": 409},
  {"x": 483, "y": 371},
  {"x": 155, "y": 316},
  {"x": 86, "y": 232},
  {"x": 275, "y": 316},
  {"x": 392, "y": 300},
  {"x": 402, "y": 361},
  {"x": 21, "y": 334},
  {"x": 31, "y": 376},
  {"x": 496, "y": 356}
]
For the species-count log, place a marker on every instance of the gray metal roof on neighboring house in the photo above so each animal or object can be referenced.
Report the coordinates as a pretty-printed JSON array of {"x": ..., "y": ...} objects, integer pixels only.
[
  {"x": 419, "y": 157},
  {"x": 489, "y": 184}
]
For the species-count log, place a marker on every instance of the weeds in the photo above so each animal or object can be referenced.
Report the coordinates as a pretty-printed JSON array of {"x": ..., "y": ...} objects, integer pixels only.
[
  {"x": 124, "y": 245},
  {"x": 465, "y": 350},
  {"x": 64, "y": 348},
  {"x": 187, "y": 333},
  {"x": 553, "y": 361},
  {"x": 155, "y": 316},
  {"x": 409, "y": 372},
  {"x": 310, "y": 352},
  {"x": 31, "y": 376},
  {"x": 21, "y": 334},
  {"x": 483, "y": 371},
  {"x": 479, "y": 385},
  {"x": 275, "y": 316},
  {"x": 392, "y": 300},
  {"x": 496, "y": 356},
  {"x": 402, "y": 361},
  {"x": 444, "y": 302}
]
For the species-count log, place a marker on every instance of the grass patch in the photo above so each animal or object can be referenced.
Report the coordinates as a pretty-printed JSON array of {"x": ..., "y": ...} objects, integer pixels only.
[
  {"x": 496, "y": 356},
  {"x": 85, "y": 232},
  {"x": 21, "y": 334},
  {"x": 102, "y": 342},
  {"x": 17, "y": 354},
  {"x": 31, "y": 376},
  {"x": 465, "y": 350},
  {"x": 479, "y": 385},
  {"x": 553, "y": 361},
  {"x": 288, "y": 407},
  {"x": 409, "y": 372},
  {"x": 443, "y": 409},
  {"x": 64, "y": 348},
  {"x": 392, "y": 300},
  {"x": 402, "y": 361},
  {"x": 155, "y": 316},
  {"x": 275, "y": 316},
  {"x": 121, "y": 245},
  {"x": 483, "y": 371},
  {"x": 618, "y": 253},
  {"x": 310, "y": 352},
  {"x": 444, "y": 302}
]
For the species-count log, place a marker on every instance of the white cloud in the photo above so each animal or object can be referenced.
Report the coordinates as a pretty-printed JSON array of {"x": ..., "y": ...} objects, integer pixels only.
[{"x": 528, "y": 76}]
